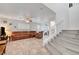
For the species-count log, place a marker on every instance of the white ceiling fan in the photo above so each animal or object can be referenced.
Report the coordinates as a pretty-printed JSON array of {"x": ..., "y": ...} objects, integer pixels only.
[{"x": 28, "y": 19}]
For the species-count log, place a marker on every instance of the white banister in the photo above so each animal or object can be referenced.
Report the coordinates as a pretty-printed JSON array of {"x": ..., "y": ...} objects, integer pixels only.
[{"x": 53, "y": 31}]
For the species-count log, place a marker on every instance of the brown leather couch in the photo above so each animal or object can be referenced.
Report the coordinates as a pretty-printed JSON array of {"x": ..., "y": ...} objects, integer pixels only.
[{"x": 26, "y": 34}]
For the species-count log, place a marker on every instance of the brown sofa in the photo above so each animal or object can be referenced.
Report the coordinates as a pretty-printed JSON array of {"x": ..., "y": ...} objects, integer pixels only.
[{"x": 25, "y": 34}]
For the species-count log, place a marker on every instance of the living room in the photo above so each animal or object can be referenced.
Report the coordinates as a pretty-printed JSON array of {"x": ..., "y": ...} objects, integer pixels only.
[{"x": 24, "y": 22}]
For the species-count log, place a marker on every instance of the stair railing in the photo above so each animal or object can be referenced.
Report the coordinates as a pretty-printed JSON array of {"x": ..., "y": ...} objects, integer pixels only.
[{"x": 53, "y": 32}]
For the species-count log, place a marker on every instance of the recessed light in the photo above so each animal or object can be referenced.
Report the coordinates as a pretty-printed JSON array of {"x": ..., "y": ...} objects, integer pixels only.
[{"x": 41, "y": 8}]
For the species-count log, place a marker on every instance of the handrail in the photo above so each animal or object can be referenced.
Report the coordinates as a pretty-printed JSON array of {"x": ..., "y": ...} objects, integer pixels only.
[{"x": 60, "y": 26}]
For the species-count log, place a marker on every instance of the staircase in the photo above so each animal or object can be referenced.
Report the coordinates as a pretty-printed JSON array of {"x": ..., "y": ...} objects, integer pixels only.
[{"x": 66, "y": 43}]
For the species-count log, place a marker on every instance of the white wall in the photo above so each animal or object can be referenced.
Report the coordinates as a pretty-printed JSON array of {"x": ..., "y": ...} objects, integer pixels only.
[
  {"x": 62, "y": 14},
  {"x": 74, "y": 17},
  {"x": 69, "y": 15}
]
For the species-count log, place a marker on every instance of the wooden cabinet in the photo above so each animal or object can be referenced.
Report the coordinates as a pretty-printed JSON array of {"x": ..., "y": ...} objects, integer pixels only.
[{"x": 26, "y": 34}]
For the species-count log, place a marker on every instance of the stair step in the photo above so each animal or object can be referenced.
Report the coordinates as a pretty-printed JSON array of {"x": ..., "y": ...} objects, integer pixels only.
[
  {"x": 52, "y": 50},
  {"x": 69, "y": 36},
  {"x": 63, "y": 50},
  {"x": 73, "y": 41},
  {"x": 71, "y": 31},
  {"x": 68, "y": 45},
  {"x": 77, "y": 53},
  {"x": 65, "y": 33}
]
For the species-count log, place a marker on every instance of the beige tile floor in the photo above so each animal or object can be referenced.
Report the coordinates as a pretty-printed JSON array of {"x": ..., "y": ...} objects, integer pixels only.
[{"x": 30, "y": 46}]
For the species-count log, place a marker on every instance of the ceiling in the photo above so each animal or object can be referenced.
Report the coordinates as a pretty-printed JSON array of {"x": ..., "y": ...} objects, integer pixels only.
[{"x": 19, "y": 10}]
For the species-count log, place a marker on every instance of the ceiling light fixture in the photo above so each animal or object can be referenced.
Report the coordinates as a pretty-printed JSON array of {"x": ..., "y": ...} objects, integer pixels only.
[
  {"x": 70, "y": 5},
  {"x": 28, "y": 19}
]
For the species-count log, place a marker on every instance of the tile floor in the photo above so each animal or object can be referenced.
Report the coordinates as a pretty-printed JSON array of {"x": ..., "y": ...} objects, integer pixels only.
[{"x": 31, "y": 46}]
